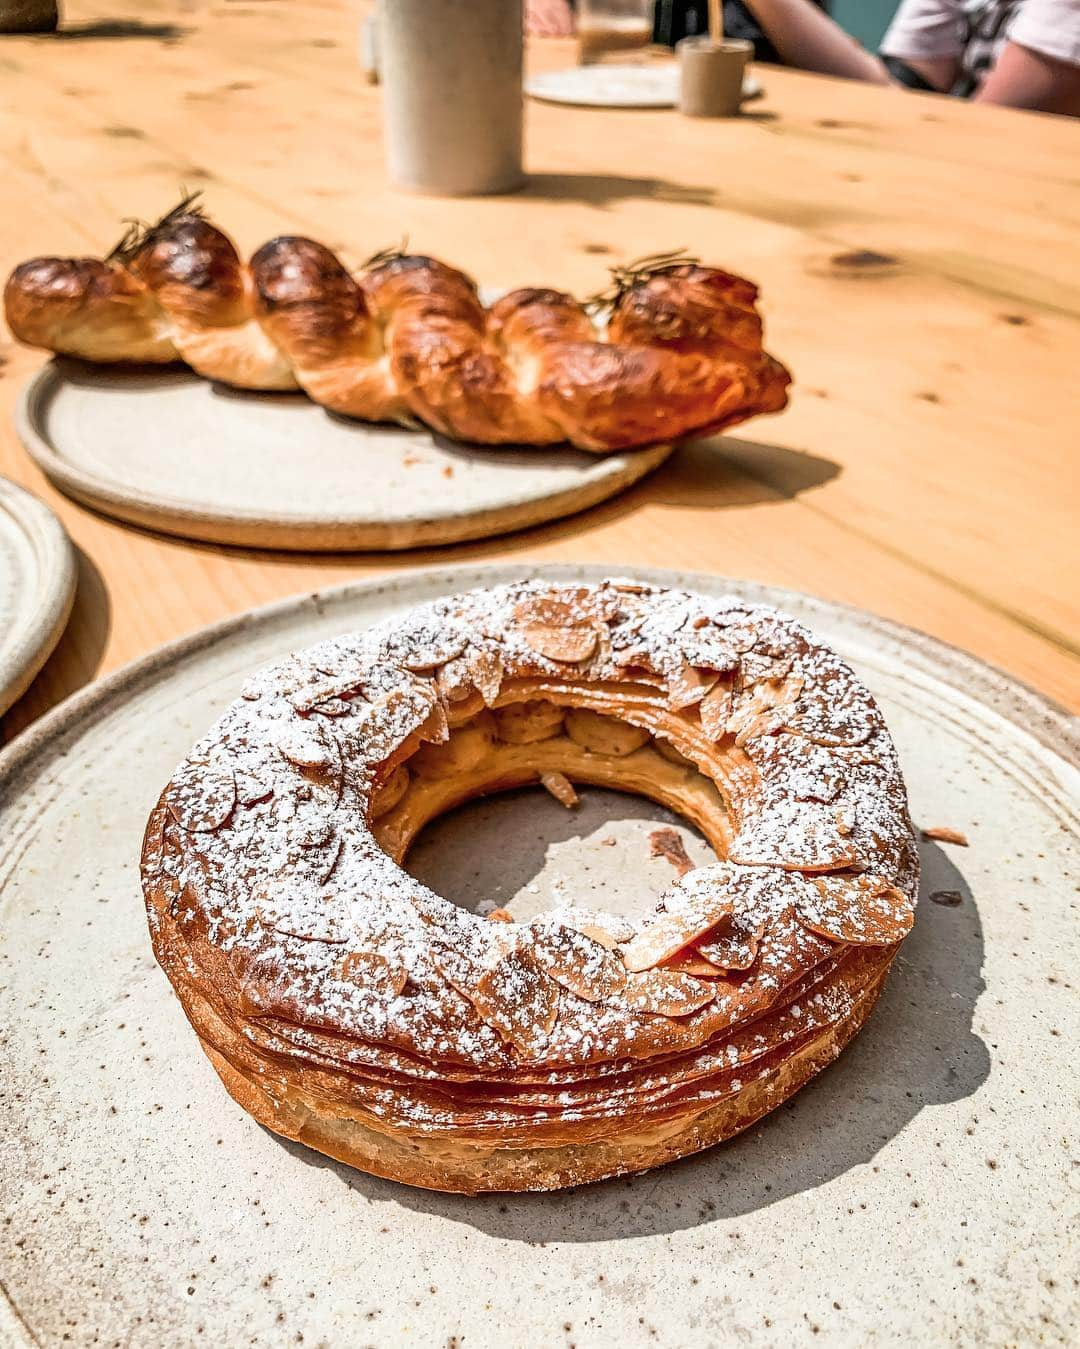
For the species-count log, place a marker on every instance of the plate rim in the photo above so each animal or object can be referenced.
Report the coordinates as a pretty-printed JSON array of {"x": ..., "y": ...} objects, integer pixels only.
[
  {"x": 299, "y": 533},
  {"x": 1053, "y": 726},
  {"x": 751, "y": 89},
  {"x": 54, "y": 554}
]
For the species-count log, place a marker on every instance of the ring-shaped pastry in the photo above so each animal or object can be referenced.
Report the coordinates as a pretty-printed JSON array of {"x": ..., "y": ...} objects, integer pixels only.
[{"x": 346, "y": 1005}]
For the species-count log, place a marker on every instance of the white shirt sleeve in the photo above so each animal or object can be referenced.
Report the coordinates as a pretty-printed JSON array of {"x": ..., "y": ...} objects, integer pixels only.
[
  {"x": 1051, "y": 27},
  {"x": 925, "y": 28}
]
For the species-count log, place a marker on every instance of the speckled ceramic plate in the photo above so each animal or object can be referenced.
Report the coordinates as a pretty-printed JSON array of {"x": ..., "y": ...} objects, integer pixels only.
[
  {"x": 37, "y": 586},
  {"x": 922, "y": 1191},
  {"x": 168, "y": 450},
  {"x": 617, "y": 86}
]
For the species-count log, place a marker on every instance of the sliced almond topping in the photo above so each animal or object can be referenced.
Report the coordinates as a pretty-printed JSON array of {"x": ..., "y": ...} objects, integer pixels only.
[
  {"x": 609, "y": 929},
  {"x": 561, "y": 788},
  {"x": 303, "y": 745},
  {"x": 454, "y": 680},
  {"x": 941, "y": 833},
  {"x": 689, "y": 685},
  {"x": 566, "y": 645},
  {"x": 516, "y": 999},
  {"x": 666, "y": 992},
  {"x": 561, "y": 609},
  {"x": 765, "y": 723},
  {"x": 436, "y": 729},
  {"x": 371, "y": 970},
  {"x": 332, "y": 707},
  {"x": 865, "y": 910},
  {"x": 446, "y": 647},
  {"x": 694, "y": 963},
  {"x": 486, "y": 668},
  {"x": 201, "y": 796},
  {"x": 578, "y": 963},
  {"x": 250, "y": 788},
  {"x": 714, "y": 710},
  {"x": 796, "y": 835},
  {"x": 636, "y": 655},
  {"x": 688, "y": 915},
  {"x": 734, "y": 949}
]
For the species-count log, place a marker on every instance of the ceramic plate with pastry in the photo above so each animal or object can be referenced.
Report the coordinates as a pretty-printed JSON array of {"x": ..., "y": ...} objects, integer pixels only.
[{"x": 177, "y": 399}]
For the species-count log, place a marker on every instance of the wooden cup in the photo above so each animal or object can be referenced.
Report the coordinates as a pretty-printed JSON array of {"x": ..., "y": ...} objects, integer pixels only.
[{"x": 712, "y": 76}]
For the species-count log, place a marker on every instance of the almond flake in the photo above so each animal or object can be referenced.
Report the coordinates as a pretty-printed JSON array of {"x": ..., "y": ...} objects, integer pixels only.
[
  {"x": 561, "y": 788},
  {"x": 486, "y": 668},
  {"x": 865, "y": 910},
  {"x": 304, "y": 746},
  {"x": 689, "y": 685},
  {"x": 569, "y": 646},
  {"x": 609, "y": 929},
  {"x": 516, "y": 999},
  {"x": 371, "y": 971},
  {"x": 577, "y": 962},
  {"x": 201, "y": 797},
  {"x": 694, "y": 963},
  {"x": 943, "y": 834},
  {"x": 689, "y": 914},
  {"x": 666, "y": 992}
]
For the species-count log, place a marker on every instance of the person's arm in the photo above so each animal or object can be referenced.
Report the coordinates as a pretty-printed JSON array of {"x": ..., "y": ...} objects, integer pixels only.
[
  {"x": 1022, "y": 78},
  {"x": 548, "y": 18},
  {"x": 807, "y": 38}
]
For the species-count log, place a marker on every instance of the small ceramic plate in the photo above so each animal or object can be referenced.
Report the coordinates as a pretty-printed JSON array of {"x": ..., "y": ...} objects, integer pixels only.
[
  {"x": 165, "y": 449},
  {"x": 919, "y": 1192},
  {"x": 37, "y": 587},
  {"x": 617, "y": 86}
]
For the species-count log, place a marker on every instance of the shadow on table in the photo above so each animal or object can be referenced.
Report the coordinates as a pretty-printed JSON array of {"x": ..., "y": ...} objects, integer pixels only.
[
  {"x": 605, "y": 189},
  {"x": 76, "y": 659},
  {"x": 918, "y": 1049},
  {"x": 98, "y": 29}
]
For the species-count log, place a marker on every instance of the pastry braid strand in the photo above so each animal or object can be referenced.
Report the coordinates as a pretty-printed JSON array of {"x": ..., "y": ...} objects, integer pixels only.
[{"x": 409, "y": 340}]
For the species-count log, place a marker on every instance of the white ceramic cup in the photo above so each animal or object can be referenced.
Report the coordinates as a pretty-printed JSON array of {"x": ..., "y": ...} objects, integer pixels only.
[{"x": 451, "y": 72}]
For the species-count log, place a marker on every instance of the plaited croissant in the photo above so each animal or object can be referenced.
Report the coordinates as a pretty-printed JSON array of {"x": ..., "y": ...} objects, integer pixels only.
[{"x": 409, "y": 339}]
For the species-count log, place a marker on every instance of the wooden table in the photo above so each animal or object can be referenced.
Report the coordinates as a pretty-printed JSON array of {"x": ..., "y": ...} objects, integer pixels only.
[{"x": 918, "y": 260}]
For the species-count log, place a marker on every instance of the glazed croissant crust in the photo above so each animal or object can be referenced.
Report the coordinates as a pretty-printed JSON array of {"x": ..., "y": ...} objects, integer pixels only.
[{"x": 408, "y": 339}]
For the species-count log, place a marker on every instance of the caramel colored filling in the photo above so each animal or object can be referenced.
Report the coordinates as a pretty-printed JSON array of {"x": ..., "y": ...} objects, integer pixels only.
[{"x": 519, "y": 743}]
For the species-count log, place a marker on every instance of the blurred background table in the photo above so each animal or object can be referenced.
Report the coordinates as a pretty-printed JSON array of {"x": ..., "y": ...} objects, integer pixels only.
[{"x": 918, "y": 260}]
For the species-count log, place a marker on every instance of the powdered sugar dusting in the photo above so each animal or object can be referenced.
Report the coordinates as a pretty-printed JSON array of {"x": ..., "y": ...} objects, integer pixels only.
[{"x": 264, "y": 874}]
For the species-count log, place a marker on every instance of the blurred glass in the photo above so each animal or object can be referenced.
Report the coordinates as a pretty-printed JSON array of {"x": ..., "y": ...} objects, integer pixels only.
[{"x": 612, "y": 28}]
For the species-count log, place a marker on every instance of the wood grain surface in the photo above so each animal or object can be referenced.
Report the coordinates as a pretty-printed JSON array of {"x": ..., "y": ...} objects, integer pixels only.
[{"x": 919, "y": 266}]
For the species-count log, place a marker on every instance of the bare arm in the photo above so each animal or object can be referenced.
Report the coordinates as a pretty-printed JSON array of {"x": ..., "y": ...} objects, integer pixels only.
[
  {"x": 806, "y": 37},
  {"x": 548, "y": 18},
  {"x": 1022, "y": 78}
]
